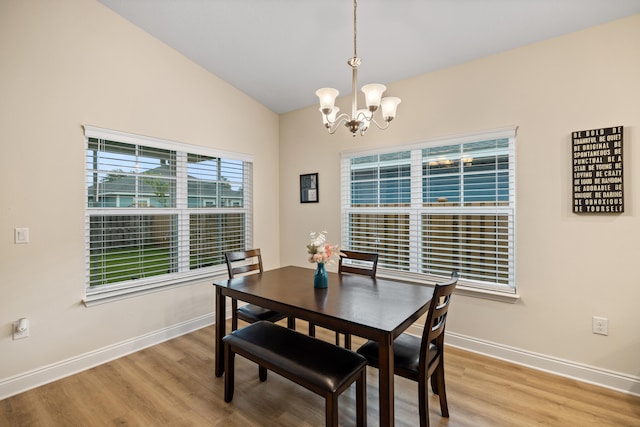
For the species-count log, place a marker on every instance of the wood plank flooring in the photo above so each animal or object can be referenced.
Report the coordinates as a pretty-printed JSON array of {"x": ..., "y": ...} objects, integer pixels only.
[{"x": 173, "y": 384}]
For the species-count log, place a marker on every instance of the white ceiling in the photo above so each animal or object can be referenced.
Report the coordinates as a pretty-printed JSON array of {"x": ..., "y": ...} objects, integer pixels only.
[{"x": 280, "y": 51}]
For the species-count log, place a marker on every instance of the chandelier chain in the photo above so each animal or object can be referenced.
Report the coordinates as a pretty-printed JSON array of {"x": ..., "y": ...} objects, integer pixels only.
[{"x": 355, "y": 30}]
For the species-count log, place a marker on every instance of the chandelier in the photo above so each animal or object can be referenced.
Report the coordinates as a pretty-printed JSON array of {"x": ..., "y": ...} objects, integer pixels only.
[{"x": 359, "y": 120}]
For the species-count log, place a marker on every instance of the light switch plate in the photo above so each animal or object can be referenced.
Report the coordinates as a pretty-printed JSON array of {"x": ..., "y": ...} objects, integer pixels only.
[{"x": 22, "y": 235}]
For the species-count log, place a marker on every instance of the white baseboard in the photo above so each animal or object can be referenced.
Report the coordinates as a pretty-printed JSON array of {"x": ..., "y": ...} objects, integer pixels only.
[
  {"x": 580, "y": 372},
  {"x": 46, "y": 374}
]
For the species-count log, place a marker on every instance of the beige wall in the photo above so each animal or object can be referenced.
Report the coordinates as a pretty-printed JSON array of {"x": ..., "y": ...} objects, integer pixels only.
[
  {"x": 70, "y": 63},
  {"x": 65, "y": 64},
  {"x": 569, "y": 267}
]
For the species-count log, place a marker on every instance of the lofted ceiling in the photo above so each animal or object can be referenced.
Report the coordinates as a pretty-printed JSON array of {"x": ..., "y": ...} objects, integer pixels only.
[{"x": 280, "y": 51}]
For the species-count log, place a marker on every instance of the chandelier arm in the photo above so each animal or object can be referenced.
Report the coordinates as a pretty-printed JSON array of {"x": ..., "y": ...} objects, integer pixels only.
[
  {"x": 334, "y": 125},
  {"x": 382, "y": 127}
]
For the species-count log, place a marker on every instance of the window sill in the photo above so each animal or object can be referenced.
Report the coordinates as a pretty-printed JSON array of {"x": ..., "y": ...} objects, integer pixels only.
[
  {"x": 511, "y": 298},
  {"x": 106, "y": 294},
  {"x": 506, "y": 296}
]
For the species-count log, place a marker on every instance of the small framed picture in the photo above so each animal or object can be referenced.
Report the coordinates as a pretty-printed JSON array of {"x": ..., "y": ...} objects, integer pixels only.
[{"x": 309, "y": 188}]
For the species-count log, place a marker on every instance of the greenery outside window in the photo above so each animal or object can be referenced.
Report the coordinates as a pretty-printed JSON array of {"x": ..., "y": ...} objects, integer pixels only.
[
  {"x": 160, "y": 213},
  {"x": 435, "y": 207}
]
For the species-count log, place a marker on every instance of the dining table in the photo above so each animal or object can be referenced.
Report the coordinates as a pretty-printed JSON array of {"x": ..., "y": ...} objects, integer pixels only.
[{"x": 378, "y": 309}]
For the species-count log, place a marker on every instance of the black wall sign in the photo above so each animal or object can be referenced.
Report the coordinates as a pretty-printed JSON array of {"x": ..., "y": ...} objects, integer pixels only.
[{"x": 597, "y": 171}]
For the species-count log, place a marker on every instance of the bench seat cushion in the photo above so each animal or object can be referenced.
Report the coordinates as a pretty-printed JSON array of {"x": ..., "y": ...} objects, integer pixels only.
[{"x": 309, "y": 359}]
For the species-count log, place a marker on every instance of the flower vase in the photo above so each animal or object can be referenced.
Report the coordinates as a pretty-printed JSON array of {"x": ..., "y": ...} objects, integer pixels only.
[{"x": 320, "y": 278}]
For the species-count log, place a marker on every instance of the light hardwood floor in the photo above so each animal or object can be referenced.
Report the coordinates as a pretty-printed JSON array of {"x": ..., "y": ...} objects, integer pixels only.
[{"x": 173, "y": 384}]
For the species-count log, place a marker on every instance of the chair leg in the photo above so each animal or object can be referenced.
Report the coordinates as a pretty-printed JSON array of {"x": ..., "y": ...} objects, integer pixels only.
[
  {"x": 423, "y": 402},
  {"x": 331, "y": 410},
  {"x": 229, "y": 369},
  {"x": 291, "y": 323},
  {"x": 361, "y": 399},
  {"x": 262, "y": 373},
  {"x": 442, "y": 392},
  {"x": 347, "y": 341},
  {"x": 338, "y": 339},
  {"x": 234, "y": 314},
  {"x": 312, "y": 330}
]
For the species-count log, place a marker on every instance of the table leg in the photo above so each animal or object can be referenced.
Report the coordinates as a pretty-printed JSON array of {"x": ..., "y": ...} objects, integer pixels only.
[
  {"x": 221, "y": 310},
  {"x": 386, "y": 384}
]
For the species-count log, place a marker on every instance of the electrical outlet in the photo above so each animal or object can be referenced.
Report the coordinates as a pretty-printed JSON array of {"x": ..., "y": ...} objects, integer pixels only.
[
  {"x": 600, "y": 325},
  {"x": 21, "y": 329}
]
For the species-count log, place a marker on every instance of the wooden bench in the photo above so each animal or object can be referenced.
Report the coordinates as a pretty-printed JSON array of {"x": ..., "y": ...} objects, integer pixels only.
[{"x": 316, "y": 365}]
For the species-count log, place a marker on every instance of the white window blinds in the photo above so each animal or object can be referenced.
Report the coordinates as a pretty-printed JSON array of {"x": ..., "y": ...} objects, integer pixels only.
[
  {"x": 160, "y": 213},
  {"x": 433, "y": 208}
]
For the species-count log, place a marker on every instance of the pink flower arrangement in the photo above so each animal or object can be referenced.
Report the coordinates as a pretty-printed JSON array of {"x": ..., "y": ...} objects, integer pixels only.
[{"x": 319, "y": 249}]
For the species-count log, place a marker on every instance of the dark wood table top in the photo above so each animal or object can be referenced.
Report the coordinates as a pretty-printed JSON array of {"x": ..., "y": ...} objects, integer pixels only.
[{"x": 370, "y": 306}]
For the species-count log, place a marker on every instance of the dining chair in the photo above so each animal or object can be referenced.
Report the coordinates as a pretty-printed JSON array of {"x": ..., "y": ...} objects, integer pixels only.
[
  {"x": 363, "y": 263},
  {"x": 353, "y": 262},
  {"x": 250, "y": 262},
  {"x": 421, "y": 359}
]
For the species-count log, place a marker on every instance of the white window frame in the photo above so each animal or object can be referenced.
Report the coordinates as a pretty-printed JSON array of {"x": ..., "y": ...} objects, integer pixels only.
[
  {"x": 495, "y": 291},
  {"x": 184, "y": 276}
]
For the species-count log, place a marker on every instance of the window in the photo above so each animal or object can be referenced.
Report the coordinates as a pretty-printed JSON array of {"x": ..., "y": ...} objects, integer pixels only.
[
  {"x": 160, "y": 213},
  {"x": 435, "y": 207}
]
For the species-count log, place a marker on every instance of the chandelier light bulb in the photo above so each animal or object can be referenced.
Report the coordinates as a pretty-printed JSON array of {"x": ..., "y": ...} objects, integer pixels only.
[
  {"x": 327, "y": 97},
  {"x": 389, "y": 106},
  {"x": 373, "y": 94}
]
